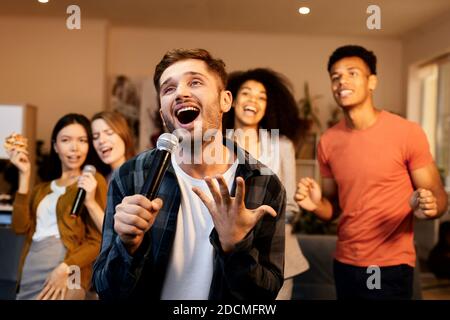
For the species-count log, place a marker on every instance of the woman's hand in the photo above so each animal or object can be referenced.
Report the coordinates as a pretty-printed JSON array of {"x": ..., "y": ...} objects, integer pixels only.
[
  {"x": 55, "y": 286},
  {"x": 19, "y": 158},
  {"x": 88, "y": 182}
]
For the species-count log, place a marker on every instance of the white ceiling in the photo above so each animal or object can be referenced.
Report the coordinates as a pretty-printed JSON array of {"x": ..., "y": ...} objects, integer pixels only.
[{"x": 327, "y": 17}]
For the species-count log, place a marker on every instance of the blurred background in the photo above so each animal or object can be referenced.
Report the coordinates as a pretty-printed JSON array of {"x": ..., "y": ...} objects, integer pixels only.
[{"x": 48, "y": 70}]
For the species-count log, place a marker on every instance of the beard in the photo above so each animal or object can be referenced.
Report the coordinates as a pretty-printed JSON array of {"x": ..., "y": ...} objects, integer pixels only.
[{"x": 209, "y": 119}]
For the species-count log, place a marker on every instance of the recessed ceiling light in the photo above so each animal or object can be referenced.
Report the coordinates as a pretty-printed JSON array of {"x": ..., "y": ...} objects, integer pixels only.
[
  {"x": 304, "y": 10},
  {"x": 43, "y": 1}
]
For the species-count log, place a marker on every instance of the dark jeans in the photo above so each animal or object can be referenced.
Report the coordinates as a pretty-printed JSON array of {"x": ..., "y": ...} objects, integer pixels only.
[{"x": 386, "y": 283}]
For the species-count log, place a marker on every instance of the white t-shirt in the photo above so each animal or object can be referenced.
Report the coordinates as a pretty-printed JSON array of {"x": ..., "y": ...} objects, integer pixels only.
[
  {"x": 190, "y": 266},
  {"x": 46, "y": 223}
]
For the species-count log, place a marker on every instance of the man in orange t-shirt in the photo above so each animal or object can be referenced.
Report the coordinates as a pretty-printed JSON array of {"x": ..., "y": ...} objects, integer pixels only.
[{"x": 377, "y": 170}]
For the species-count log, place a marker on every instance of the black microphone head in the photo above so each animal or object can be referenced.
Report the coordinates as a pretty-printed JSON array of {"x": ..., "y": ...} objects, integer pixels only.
[
  {"x": 167, "y": 141},
  {"x": 89, "y": 168}
]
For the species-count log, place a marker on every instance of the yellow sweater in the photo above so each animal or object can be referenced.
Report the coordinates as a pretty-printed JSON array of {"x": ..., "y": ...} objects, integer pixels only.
[{"x": 79, "y": 235}]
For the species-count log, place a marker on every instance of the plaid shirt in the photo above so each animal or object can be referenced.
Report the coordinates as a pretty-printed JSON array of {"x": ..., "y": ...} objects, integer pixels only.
[{"x": 252, "y": 271}]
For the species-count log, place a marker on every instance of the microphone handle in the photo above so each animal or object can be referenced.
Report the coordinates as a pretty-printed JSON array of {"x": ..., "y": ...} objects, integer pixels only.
[
  {"x": 157, "y": 170},
  {"x": 78, "y": 203}
]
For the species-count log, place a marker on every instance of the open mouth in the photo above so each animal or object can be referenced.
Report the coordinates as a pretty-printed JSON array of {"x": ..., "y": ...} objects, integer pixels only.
[
  {"x": 345, "y": 93},
  {"x": 106, "y": 152},
  {"x": 187, "y": 114},
  {"x": 250, "y": 110}
]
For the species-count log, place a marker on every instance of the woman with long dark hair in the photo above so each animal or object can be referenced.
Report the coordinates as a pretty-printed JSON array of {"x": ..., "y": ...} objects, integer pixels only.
[
  {"x": 57, "y": 245},
  {"x": 262, "y": 99}
]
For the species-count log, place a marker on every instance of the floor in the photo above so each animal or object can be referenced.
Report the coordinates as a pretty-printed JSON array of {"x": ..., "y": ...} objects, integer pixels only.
[{"x": 433, "y": 288}]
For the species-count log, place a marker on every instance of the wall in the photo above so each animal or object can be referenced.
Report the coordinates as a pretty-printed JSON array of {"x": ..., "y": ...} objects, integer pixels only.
[
  {"x": 61, "y": 71},
  {"x": 135, "y": 52},
  {"x": 428, "y": 41},
  {"x": 420, "y": 46},
  {"x": 56, "y": 69}
]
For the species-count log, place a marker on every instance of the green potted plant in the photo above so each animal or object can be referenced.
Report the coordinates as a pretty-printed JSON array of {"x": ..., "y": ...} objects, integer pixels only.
[
  {"x": 310, "y": 121},
  {"x": 308, "y": 111},
  {"x": 307, "y": 223}
]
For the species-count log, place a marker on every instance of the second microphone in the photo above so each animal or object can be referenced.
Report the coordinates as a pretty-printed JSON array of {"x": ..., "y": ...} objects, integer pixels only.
[{"x": 81, "y": 194}]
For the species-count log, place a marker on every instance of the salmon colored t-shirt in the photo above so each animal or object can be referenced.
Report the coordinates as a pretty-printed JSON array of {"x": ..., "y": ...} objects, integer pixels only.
[{"x": 372, "y": 168}]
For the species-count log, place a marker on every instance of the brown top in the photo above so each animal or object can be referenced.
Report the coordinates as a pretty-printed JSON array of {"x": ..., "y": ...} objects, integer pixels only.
[{"x": 79, "y": 235}]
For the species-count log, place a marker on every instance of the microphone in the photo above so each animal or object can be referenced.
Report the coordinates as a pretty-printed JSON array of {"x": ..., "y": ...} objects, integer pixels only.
[
  {"x": 164, "y": 146},
  {"x": 81, "y": 194}
]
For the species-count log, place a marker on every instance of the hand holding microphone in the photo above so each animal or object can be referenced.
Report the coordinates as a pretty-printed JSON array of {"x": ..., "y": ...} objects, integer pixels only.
[
  {"x": 136, "y": 214},
  {"x": 87, "y": 185}
]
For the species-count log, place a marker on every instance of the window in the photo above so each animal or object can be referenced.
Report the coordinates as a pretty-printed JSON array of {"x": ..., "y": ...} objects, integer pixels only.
[
  {"x": 443, "y": 117},
  {"x": 434, "y": 105}
]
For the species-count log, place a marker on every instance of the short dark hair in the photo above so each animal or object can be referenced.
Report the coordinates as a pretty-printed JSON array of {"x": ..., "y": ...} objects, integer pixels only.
[
  {"x": 175, "y": 55},
  {"x": 367, "y": 56}
]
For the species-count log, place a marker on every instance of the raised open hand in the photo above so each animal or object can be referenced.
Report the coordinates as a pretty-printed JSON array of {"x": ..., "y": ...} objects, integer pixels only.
[{"x": 232, "y": 220}]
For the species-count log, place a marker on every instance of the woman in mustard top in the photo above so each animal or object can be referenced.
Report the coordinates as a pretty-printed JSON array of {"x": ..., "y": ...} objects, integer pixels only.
[{"x": 59, "y": 249}]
